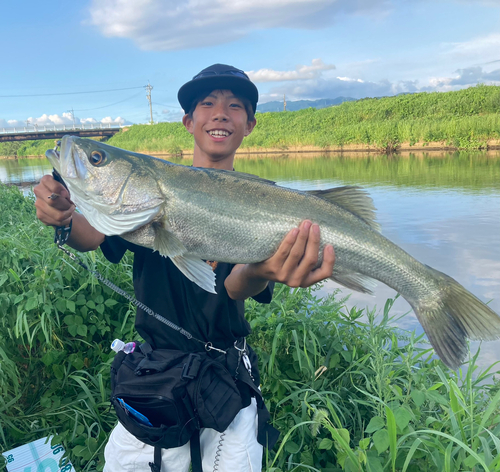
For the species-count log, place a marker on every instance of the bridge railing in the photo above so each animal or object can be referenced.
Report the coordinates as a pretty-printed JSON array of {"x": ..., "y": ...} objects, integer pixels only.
[{"x": 40, "y": 129}]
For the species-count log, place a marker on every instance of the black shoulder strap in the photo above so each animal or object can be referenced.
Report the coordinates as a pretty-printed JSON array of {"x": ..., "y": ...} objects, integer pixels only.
[
  {"x": 194, "y": 445},
  {"x": 156, "y": 465},
  {"x": 267, "y": 435}
]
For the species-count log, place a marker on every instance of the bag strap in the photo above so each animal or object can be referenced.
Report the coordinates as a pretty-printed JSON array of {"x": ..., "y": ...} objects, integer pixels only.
[
  {"x": 156, "y": 465},
  {"x": 195, "y": 448},
  {"x": 267, "y": 435}
]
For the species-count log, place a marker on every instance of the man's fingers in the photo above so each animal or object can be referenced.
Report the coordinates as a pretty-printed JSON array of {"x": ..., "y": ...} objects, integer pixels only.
[
  {"x": 54, "y": 214},
  {"x": 296, "y": 252},
  {"x": 311, "y": 253},
  {"x": 325, "y": 270},
  {"x": 49, "y": 186},
  {"x": 53, "y": 194},
  {"x": 53, "y": 217},
  {"x": 286, "y": 245}
]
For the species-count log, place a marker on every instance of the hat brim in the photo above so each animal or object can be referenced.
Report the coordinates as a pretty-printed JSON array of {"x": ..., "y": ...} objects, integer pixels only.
[{"x": 239, "y": 86}]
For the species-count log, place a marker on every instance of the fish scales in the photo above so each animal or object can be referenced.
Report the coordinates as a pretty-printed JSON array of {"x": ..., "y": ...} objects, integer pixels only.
[{"x": 194, "y": 214}]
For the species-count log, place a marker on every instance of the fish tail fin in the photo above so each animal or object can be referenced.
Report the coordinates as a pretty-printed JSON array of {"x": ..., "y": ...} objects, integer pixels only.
[{"x": 451, "y": 316}]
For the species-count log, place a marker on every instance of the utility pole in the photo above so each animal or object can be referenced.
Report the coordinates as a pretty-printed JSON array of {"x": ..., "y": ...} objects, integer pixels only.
[
  {"x": 284, "y": 102},
  {"x": 72, "y": 117},
  {"x": 149, "y": 88}
]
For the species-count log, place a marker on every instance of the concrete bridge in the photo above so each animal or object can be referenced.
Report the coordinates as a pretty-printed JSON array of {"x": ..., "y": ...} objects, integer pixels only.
[{"x": 33, "y": 132}]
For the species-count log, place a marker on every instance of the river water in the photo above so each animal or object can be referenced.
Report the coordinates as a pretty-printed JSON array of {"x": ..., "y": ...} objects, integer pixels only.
[{"x": 443, "y": 208}]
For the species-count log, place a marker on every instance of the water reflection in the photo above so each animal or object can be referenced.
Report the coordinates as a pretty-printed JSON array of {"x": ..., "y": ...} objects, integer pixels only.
[
  {"x": 23, "y": 171},
  {"x": 442, "y": 209}
]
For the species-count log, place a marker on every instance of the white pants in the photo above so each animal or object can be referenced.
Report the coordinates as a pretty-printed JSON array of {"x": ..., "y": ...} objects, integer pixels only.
[{"x": 236, "y": 449}]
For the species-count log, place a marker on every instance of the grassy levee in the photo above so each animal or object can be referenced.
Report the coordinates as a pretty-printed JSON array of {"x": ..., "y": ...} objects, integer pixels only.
[
  {"x": 465, "y": 119},
  {"x": 347, "y": 390}
]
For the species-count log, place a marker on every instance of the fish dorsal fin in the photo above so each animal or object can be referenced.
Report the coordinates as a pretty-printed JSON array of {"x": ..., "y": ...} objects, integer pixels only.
[
  {"x": 353, "y": 199},
  {"x": 169, "y": 245}
]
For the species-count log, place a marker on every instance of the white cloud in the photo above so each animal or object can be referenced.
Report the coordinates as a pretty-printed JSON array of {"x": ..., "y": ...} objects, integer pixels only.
[
  {"x": 339, "y": 87},
  {"x": 485, "y": 48},
  {"x": 301, "y": 72},
  {"x": 59, "y": 120},
  {"x": 348, "y": 79},
  {"x": 170, "y": 25},
  {"x": 467, "y": 76}
]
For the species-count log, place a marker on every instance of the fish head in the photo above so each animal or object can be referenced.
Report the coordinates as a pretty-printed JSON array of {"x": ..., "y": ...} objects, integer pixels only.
[{"x": 116, "y": 190}]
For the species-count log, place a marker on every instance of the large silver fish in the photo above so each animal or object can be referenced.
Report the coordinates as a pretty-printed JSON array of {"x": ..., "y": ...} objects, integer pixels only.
[{"x": 190, "y": 214}]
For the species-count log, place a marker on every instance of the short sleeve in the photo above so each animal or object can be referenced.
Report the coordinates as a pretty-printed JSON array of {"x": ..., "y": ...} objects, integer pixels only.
[
  {"x": 266, "y": 295},
  {"x": 113, "y": 248}
]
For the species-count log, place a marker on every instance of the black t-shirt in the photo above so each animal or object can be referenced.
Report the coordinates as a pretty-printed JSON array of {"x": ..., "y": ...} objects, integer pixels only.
[{"x": 163, "y": 288}]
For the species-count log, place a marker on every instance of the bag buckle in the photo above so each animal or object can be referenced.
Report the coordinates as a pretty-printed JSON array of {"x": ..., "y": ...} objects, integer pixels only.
[
  {"x": 243, "y": 356},
  {"x": 191, "y": 367}
]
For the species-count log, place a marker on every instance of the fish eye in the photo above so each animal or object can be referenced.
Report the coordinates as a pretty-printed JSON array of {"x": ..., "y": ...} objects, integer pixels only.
[{"x": 97, "y": 158}]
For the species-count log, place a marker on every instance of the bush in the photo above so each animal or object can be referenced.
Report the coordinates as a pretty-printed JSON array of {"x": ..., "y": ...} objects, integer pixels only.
[
  {"x": 347, "y": 390},
  {"x": 350, "y": 392}
]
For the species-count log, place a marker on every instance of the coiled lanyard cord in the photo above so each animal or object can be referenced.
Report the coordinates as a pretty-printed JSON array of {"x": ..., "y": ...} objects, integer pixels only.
[{"x": 61, "y": 237}]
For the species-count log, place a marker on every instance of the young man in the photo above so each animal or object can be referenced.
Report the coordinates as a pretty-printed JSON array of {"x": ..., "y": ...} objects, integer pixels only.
[{"x": 220, "y": 104}]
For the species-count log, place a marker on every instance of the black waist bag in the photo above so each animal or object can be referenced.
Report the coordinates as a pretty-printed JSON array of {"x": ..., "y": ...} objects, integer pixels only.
[{"x": 177, "y": 392}]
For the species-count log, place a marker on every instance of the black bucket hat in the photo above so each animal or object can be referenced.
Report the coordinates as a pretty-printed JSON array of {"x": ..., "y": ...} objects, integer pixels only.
[{"x": 218, "y": 77}]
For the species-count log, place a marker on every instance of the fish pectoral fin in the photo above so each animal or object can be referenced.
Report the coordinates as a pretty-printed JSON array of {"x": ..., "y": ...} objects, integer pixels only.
[
  {"x": 196, "y": 270},
  {"x": 353, "y": 199},
  {"x": 167, "y": 243},
  {"x": 355, "y": 281}
]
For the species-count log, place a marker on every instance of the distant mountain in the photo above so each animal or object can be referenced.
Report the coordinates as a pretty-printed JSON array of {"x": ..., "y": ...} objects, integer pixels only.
[{"x": 300, "y": 104}]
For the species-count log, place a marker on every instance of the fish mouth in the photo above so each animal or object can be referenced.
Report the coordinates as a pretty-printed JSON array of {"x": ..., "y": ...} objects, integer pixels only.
[
  {"x": 66, "y": 160},
  {"x": 54, "y": 157}
]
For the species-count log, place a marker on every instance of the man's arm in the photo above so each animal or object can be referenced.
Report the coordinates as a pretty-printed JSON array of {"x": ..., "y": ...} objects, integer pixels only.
[
  {"x": 60, "y": 211},
  {"x": 293, "y": 264}
]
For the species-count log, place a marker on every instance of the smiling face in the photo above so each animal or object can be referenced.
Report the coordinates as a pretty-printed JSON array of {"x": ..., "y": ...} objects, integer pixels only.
[{"x": 219, "y": 123}]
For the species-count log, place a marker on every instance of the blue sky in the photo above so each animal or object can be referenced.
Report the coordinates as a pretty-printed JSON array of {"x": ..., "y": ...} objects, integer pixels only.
[{"x": 306, "y": 49}]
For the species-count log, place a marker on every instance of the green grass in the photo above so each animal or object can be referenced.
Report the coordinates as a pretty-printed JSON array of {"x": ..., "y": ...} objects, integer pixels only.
[
  {"x": 348, "y": 391},
  {"x": 465, "y": 119}
]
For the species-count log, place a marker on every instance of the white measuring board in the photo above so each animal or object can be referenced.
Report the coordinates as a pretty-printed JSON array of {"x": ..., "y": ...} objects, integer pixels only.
[{"x": 37, "y": 456}]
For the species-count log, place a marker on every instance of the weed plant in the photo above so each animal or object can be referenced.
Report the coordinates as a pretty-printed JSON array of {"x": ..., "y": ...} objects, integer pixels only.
[
  {"x": 56, "y": 326},
  {"x": 348, "y": 391}
]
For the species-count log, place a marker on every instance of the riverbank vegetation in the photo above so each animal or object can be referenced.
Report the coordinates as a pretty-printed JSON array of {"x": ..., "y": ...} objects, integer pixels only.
[
  {"x": 465, "y": 119},
  {"x": 348, "y": 391}
]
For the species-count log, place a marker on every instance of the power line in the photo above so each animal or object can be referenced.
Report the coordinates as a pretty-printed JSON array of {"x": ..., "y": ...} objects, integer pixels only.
[
  {"x": 163, "y": 105},
  {"x": 68, "y": 93},
  {"x": 116, "y": 103}
]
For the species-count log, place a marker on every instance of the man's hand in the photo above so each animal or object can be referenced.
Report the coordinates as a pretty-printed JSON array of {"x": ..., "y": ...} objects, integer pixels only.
[
  {"x": 53, "y": 202},
  {"x": 293, "y": 264},
  {"x": 55, "y": 208}
]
